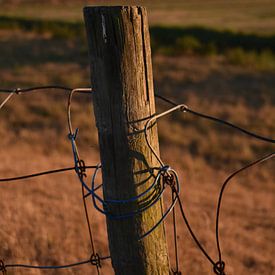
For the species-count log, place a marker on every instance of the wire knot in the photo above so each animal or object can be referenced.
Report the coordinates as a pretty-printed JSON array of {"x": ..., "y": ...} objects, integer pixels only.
[
  {"x": 72, "y": 136},
  {"x": 81, "y": 168},
  {"x": 3, "y": 267},
  {"x": 184, "y": 108},
  {"x": 17, "y": 91},
  {"x": 165, "y": 168},
  {"x": 169, "y": 179},
  {"x": 219, "y": 268},
  {"x": 95, "y": 260}
]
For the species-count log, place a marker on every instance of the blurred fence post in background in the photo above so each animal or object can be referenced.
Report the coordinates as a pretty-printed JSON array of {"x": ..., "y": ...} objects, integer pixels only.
[{"x": 121, "y": 76}]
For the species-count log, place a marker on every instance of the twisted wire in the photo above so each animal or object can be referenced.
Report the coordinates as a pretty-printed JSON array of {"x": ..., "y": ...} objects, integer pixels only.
[
  {"x": 80, "y": 169},
  {"x": 94, "y": 260},
  {"x": 92, "y": 191}
]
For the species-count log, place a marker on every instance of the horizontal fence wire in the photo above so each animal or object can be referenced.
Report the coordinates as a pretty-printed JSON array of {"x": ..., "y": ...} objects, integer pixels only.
[
  {"x": 215, "y": 119},
  {"x": 48, "y": 172},
  {"x": 165, "y": 177},
  {"x": 185, "y": 109}
]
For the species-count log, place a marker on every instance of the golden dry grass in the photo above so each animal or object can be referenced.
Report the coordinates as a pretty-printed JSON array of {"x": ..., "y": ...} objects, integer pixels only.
[
  {"x": 239, "y": 15},
  {"x": 42, "y": 220}
]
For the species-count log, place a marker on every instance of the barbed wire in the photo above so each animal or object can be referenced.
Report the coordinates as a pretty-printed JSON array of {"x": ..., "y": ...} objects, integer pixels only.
[{"x": 165, "y": 177}]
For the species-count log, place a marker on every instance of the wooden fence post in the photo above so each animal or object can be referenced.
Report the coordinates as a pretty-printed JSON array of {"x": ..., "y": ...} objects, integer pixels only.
[{"x": 122, "y": 81}]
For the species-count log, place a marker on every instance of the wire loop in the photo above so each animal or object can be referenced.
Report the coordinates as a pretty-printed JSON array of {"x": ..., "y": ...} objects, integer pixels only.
[
  {"x": 95, "y": 260},
  {"x": 17, "y": 91},
  {"x": 169, "y": 179},
  {"x": 150, "y": 197},
  {"x": 81, "y": 168},
  {"x": 219, "y": 267}
]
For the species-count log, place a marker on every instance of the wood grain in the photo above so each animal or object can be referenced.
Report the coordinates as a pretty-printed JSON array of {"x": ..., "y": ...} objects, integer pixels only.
[{"x": 121, "y": 76}]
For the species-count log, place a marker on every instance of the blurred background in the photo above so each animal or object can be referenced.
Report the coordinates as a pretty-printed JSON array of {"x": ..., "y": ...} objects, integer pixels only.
[{"x": 218, "y": 57}]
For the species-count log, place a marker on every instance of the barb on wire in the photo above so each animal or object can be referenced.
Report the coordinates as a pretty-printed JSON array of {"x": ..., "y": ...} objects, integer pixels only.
[{"x": 218, "y": 120}]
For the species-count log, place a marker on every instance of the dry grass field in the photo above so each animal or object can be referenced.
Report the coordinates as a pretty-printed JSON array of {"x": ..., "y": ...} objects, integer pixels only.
[
  {"x": 241, "y": 15},
  {"x": 42, "y": 220}
]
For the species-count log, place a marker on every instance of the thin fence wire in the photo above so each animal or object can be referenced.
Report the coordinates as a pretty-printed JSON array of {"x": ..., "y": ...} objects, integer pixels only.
[
  {"x": 6, "y": 100},
  {"x": 165, "y": 177}
]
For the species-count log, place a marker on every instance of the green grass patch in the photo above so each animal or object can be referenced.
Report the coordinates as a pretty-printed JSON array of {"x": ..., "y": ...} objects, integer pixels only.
[
  {"x": 58, "y": 29},
  {"x": 206, "y": 40},
  {"x": 262, "y": 60},
  {"x": 239, "y": 48}
]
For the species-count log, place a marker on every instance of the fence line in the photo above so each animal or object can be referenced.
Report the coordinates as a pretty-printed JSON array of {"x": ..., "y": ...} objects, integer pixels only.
[{"x": 165, "y": 177}]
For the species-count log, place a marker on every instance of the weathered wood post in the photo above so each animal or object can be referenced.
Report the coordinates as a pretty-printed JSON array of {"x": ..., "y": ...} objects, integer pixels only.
[{"x": 122, "y": 80}]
